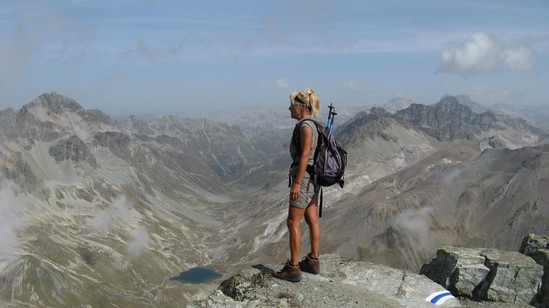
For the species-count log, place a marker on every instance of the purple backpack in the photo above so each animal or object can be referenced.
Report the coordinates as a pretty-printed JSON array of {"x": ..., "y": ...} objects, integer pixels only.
[{"x": 329, "y": 159}]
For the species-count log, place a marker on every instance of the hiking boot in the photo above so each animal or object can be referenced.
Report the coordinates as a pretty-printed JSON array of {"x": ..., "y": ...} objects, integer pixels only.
[
  {"x": 310, "y": 265},
  {"x": 290, "y": 272}
]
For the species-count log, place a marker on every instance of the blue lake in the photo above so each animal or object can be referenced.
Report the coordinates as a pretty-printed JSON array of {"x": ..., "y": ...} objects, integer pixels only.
[{"x": 197, "y": 275}]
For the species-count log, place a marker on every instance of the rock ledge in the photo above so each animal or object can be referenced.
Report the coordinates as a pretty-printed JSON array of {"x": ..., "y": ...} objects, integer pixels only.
[{"x": 341, "y": 283}]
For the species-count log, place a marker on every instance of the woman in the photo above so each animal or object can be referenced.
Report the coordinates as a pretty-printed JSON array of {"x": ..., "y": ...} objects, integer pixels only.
[{"x": 304, "y": 106}]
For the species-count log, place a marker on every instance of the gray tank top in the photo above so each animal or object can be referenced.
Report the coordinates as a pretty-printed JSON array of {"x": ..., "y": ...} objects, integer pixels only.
[{"x": 295, "y": 151}]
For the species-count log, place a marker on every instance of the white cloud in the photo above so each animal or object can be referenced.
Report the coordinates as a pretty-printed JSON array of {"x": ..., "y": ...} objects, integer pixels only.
[
  {"x": 280, "y": 83},
  {"x": 519, "y": 58},
  {"x": 11, "y": 220},
  {"x": 106, "y": 219},
  {"x": 140, "y": 241},
  {"x": 482, "y": 53},
  {"x": 415, "y": 224},
  {"x": 450, "y": 176}
]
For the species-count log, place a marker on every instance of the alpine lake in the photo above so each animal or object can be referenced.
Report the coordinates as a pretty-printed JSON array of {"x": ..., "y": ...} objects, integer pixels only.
[{"x": 197, "y": 275}]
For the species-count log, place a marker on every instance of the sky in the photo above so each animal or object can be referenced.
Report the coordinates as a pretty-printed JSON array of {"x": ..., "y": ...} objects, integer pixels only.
[{"x": 180, "y": 57}]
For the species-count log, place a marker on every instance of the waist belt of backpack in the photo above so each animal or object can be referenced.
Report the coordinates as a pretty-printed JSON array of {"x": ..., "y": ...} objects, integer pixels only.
[{"x": 309, "y": 170}]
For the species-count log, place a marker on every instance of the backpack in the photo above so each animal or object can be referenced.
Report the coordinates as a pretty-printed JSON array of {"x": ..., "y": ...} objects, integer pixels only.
[{"x": 329, "y": 159}]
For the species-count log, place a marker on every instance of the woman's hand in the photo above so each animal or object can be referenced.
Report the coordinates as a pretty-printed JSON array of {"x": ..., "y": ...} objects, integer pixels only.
[{"x": 294, "y": 191}]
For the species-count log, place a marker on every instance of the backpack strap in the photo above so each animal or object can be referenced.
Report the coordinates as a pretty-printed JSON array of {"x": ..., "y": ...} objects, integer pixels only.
[
  {"x": 310, "y": 168},
  {"x": 320, "y": 203}
]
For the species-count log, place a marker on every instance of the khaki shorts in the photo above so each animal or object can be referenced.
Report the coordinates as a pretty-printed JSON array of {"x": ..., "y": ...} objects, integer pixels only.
[{"x": 306, "y": 193}]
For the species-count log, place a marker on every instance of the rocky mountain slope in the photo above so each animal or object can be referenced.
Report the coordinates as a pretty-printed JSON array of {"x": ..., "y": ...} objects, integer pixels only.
[
  {"x": 99, "y": 211},
  {"x": 537, "y": 114},
  {"x": 104, "y": 212}
]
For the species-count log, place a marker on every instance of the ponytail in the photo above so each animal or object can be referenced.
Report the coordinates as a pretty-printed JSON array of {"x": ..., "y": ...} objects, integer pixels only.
[{"x": 309, "y": 98}]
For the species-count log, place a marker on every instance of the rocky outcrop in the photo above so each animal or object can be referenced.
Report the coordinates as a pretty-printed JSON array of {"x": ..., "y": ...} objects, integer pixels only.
[
  {"x": 14, "y": 168},
  {"x": 7, "y": 123},
  {"x": 486, "y": 274},
  {"x": 533, "y": 243},
  {"x": 447, "y": 120},
  {"x": 74, "y": 149},
  {"x": 117, "y": 142},
  {"x": 367, "y": 126},
  {"x": 28, "y": 126},
  {"x": 95, "y": 116},
  {"x": 455, "y": 277},
  {"x": 341, "y": 283},
  {"x": 537, "y": 247}
]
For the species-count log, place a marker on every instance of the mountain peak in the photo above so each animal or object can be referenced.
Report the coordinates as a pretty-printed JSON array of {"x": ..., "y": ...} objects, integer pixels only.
[
  {"x": 396, "y": 104},
  {"x": 447, "y": 101},
  {"x": 56, "y": 103},
  {"x": 56, "y": 115}
]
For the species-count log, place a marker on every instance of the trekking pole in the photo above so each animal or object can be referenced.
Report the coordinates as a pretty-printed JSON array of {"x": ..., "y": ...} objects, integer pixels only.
[{"x": 331, "y": 115}]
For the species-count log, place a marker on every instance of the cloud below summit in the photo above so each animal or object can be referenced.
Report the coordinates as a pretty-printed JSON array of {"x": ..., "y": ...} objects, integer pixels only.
[{"x": 11, "y": 221}]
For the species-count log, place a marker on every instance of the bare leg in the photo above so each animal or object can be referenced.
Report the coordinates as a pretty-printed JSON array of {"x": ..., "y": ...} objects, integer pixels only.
[
  {"x": 311, "y": 217},
  {"x": 295, "y": 215}
]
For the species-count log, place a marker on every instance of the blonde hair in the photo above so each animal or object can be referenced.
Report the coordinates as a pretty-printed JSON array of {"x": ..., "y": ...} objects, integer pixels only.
[{"x": 308, "y": 98}]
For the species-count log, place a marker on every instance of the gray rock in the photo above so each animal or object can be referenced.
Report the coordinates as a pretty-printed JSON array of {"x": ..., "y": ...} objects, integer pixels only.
[
  {"x": 458, "y": 269},
  {"x": 542, "y": 257},
  {"x": 74, "y": 149},
  {"x": 514, "y": 277},
  {"x": 486, "y": 274},
  {"x": 28, "y": 126},
  {"x": 117, "y": 142},
  {"x": 341, "y": 283},
  {"x": 532, "y": 242},
  {"x": 537, "y": 247}
]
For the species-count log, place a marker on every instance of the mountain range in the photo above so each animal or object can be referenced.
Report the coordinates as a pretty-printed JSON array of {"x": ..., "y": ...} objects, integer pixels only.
[{"x": 103, "y": 211}]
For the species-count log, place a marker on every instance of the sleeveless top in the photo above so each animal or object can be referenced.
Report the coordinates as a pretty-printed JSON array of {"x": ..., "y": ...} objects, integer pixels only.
[{"x": 295, "y": 145}]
